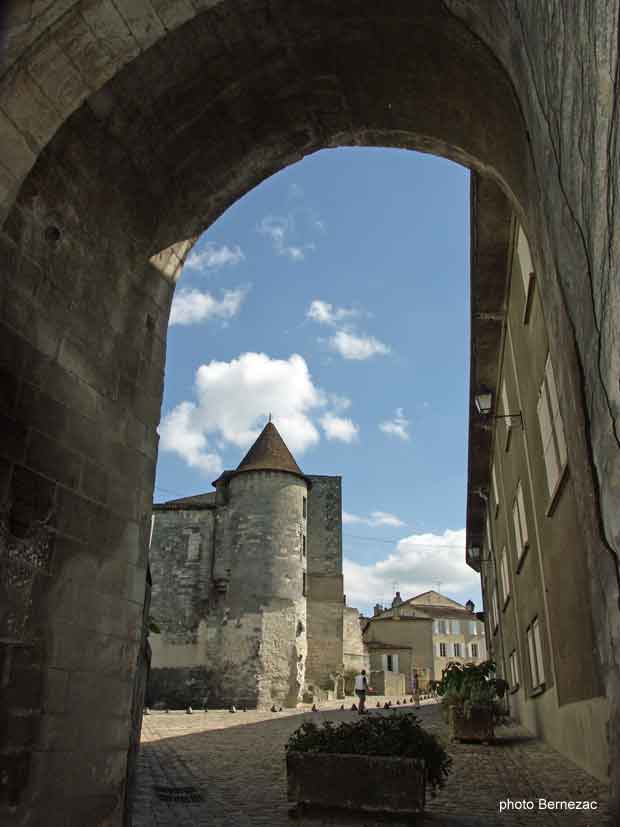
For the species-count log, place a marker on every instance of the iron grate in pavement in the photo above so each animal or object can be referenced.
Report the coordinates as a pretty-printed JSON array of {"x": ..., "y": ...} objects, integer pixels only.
[{"x": 178, "y": 795}]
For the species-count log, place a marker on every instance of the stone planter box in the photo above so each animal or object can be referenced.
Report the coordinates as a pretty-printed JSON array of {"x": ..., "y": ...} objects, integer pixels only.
[
  {"x": 366, "y": 783},
  {"x": 477, "y": 727}
]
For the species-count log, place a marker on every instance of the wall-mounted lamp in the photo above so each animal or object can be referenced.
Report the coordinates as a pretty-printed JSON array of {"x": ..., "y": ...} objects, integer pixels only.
[
  {"x": 475, "y": 553},
  {"x": 484, "y": 405}
]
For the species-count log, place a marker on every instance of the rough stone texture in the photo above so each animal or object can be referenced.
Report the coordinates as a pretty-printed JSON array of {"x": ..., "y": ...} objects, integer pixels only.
[
  {"x": 354, "y": 652},
  {"x": 325, "y": 585},
  {"x": 143, "y": 148},
  {"x": 229, "y": 574}
]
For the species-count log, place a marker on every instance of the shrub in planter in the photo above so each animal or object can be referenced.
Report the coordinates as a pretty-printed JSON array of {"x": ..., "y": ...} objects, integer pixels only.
[
  {"x": 470, "y": 699},
  {"x": 376, "y": 763}
]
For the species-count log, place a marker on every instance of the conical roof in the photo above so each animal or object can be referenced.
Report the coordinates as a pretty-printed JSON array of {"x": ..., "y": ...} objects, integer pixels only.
[{"x": 269, "y": 453}]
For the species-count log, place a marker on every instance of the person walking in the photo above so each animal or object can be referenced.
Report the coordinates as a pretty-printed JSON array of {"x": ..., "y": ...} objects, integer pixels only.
[
  {"x": 415, "y": 687},
  {"x": 361, "y": 687}
]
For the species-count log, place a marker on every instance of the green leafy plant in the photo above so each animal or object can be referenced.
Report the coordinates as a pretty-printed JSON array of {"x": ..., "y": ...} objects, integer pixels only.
[
  {"x": 394, "y": 735},
  {"x": 470, "y": 687}
]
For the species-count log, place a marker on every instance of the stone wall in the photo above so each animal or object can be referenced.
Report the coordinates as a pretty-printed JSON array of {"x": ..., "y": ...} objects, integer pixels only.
[
  {"x": 88, "y": 195},
  {"x": 325, "y": 584},
  {"x": 228, "y": 594},
  {"x": 355, "y": 653}
]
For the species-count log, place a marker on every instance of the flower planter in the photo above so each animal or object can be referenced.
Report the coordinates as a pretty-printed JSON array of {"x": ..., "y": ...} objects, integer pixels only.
[
  {"x": 477, "y": 726},
  {"x": 368, "y": 783}
]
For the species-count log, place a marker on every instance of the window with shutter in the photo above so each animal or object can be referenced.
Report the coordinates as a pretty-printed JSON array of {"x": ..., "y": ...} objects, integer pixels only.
[
  {"x": 506, "y": 408},
  {"x": 457, "y": 650},
  {"x": 384, "y": 662},
  {"x": 522, "y": 520},
  {"x": 395, "y": 663},
  {"x": 525, "y": 264},
  {"x": 504, "y": 574},
  {"x": 495, "y": 611},
  {"x": 556, "y": 416},
  {"x": 474, "y": 650},
  {"x": 551, "y": 429},
  {"x": 538, "y": 650},
  {"x": 517, "y": 528},
  {"x": 495, "y": 494},
  {"x": 514, "y": 668},
  {"x": 532, "y": 654},
  {"x": 456, "y": 627},
  {"x": 519, "y": 522}
]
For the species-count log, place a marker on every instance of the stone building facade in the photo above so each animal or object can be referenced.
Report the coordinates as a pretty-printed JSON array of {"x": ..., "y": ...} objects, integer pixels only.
[
  {"x": 525, "y": 535},
  {"x": 247, "y": 585}
]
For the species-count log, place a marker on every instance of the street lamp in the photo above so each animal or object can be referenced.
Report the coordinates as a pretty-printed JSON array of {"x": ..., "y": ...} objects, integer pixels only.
[{"x": 483, "y": 401}]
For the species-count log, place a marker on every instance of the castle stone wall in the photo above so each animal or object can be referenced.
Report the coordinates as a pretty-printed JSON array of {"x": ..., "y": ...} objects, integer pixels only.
[{"x": 325, "y": 586}]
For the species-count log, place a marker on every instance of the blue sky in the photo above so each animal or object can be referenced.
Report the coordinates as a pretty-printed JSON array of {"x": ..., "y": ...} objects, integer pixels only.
[{"x": 336, "y": 295}]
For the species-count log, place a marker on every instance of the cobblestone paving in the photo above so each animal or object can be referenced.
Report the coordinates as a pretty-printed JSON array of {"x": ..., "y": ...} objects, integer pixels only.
[{"x": 235, "y": 762}]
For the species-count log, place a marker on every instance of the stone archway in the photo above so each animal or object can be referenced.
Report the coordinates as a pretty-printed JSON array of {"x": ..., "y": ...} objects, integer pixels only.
[{"x": 127, "y": 128}]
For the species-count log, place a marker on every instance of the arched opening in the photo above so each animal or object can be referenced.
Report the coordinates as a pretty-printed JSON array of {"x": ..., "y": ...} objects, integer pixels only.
[{"x": 95, "y": 234}]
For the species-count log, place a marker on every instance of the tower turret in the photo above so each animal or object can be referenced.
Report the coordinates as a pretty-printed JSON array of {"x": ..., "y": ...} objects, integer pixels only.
[{"x": 261, "y": 619}]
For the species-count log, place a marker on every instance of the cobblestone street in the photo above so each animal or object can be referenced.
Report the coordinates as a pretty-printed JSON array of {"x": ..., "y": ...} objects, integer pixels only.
[{"x": 236, "y": 765}]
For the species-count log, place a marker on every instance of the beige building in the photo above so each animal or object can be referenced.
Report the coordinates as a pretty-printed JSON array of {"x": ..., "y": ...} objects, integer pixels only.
[
  {"x": 458, "y": 634},
  {"x": 524, "y": 534},
  {"x": 400, "y": 640}
]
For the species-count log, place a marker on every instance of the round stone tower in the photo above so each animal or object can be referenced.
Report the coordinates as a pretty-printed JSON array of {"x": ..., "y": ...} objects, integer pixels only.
[{"x": 262, "y": 613}]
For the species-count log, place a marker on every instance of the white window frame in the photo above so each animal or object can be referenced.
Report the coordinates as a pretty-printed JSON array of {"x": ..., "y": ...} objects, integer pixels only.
[
  {"x": 495, "y": 611},
  {"x": 474, "y": 650},
  {"x": 551, "y": 425},
  {"x": 522, "y": 541},
  {"x": 473, "y": 627},
  {"x": 534, "y": 645},
  {"x": 504, "y": 575},
  {"x": 505, "y": 410},
  {"x": 456, "y": 627},
  {"x": 495, "y": 494},
  {"x": 444, "y": 647},
  {"x": 455, "y": 646},
  {"x": 524, "y": 258},
  {"x": 514, "y": 669}
]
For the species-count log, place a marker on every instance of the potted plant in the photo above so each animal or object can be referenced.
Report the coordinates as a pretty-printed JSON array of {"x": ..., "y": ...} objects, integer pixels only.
[
  {"x": 380, "y": 764},
  {"x": 470, "y": 698}
]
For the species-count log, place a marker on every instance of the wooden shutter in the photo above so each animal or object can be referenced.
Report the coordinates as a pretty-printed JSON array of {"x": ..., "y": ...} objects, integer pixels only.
[
  {"x": 505, "y": 406},
  {"x": 546, "y": 435},
  {"x": 522, "y": 520},
  {"x": 538, "y": 649},
  {"x": 556, "y": 416},
  {"x": 517, "y": 527},
  {"x": 495, "y": 493},
  {"x": 525, "y": 260},
  {"x": 532, "y": 653}
]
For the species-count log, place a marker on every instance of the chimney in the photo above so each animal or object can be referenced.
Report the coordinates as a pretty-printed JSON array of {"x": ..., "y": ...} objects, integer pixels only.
[{"x": 470, "y": 606}]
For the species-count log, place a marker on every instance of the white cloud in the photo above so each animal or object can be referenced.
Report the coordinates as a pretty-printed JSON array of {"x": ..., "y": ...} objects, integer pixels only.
[
  {"x": 418, "y": 563},
  {"x": 180, "y": 432},
  {"x": 339, "y": 428},
  {"x": 192, "y": 306},
  {"x": 280, "y": 229},
  {"x": 213, "y": 256},
  {"x": 351, "y": 346},
  {"x": 398, "y": 426},
  {"x": 233, "y": 400},
  {"x": 325, "y": 313},
  {"x": 377, "y": 518}
]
